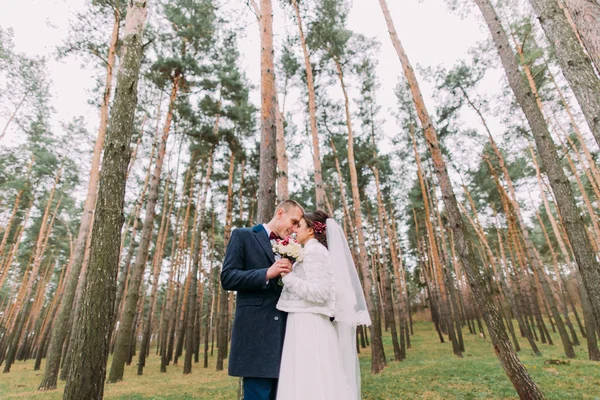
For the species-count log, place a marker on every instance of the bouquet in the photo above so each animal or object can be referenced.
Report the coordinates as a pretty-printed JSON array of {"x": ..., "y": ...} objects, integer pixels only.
[{"x": 287, "y": 248}]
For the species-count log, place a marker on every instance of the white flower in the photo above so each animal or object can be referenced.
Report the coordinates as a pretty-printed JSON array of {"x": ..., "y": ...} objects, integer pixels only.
[{"x": 293, "y": 249}]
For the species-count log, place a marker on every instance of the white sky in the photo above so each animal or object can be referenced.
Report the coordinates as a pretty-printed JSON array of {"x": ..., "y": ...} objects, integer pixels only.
[{"x": 39, "y": 27}]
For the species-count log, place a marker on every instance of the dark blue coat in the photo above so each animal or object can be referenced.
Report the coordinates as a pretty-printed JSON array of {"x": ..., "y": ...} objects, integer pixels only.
[{"x": 258, "y": 327}]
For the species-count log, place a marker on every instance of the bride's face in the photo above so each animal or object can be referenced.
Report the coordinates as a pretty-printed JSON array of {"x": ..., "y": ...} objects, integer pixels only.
[{"x": 304, "y": 233}]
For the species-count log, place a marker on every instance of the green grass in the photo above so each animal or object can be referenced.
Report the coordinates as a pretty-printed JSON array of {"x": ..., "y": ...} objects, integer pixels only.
[{"x": 430, "y": 371}]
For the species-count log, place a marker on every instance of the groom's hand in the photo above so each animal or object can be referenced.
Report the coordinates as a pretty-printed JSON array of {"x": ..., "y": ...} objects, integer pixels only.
[{"x": 282, "y": 266}]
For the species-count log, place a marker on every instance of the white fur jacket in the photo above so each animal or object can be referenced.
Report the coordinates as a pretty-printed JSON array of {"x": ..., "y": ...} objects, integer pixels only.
[{"x": 310, "y": 287}]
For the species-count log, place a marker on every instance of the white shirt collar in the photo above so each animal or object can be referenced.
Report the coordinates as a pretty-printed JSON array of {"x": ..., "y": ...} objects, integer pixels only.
[{"x": 267, "y": 229}]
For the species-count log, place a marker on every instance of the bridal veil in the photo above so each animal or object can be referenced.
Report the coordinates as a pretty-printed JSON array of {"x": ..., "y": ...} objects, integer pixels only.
[{"x": 350, "y": 305}]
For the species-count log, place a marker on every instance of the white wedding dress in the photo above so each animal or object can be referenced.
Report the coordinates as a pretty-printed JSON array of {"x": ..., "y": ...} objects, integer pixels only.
[{"x": 311, "y": 364}]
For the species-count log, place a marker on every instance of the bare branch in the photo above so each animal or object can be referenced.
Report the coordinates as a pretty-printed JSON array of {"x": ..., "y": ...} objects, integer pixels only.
[
  {"x": 255, "y": 8},
  {"x": 94, "y": 51}
]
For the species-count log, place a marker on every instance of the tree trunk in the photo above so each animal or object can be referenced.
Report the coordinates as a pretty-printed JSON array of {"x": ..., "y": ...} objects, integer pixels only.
[
  {"x": 222, "y": 336},
  {"x": 378, "y": 356},
  {"x": 283, "y": 192},
  {"x": 400, "y": 284},
  {"x": 593, "y": 350},
  {"x": 575, "y": 227},
  {"x": 513, "y": 367},
  {"x": 533, "y": 260},
  {"x": 167, "y": 323},
  {"x": 312, "y": 111},
  {"x": 15, "y": 248},
  {"x": 67, "y": 350},
  {"x": 436, "y": 263},
  {"x": 592, "y": 164},
  {"x": 575, "y": 64},
  {"x": 158, "y": 257},
  {"x": 268, "y": 136},
  {"x": 343, "y": 192},
  {"x": 520, "y": 298},
  {"x": 586, "y": 15},
  {"x": 281, "y": 155},
  {"x": 123, "y": 280},
  {"x": 47, "y": 327},
  {"x": 24, "y": 310},
  {"x": 559, "y": 282},
  {"x": 198, "y": 322},
  {"x": 387, "y": 282},
  {"x": 61, "y": 325},
  {"x": 594, "y": 232},
  {"x": 126, "y": 322},
  {"x": 588, "y": 173},
  {"x": 11, "y": 219},
  {"x": 88, "y": 371},
  {"x": 197, "y": 257}
]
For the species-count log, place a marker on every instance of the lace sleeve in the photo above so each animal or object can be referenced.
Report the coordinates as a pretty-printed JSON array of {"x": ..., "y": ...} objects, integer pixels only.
[{"x": 317, "y": 285}]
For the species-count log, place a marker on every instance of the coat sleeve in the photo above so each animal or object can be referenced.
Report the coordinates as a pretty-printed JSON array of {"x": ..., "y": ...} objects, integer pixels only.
[
  {"x": 233, "y": 275},
  {"x": 317, "y": 285}
]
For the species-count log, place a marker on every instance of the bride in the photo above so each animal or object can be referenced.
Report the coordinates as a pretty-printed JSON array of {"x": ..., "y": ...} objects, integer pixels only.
[{"x": 319, "y": 359}]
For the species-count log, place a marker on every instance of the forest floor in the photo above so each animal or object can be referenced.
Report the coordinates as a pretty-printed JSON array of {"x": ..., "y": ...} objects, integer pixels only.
[{"x": 431, "y": 371}]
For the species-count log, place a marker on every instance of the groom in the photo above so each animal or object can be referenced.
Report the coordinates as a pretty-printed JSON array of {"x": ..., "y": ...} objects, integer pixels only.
[{"x": 258, "y": 327}]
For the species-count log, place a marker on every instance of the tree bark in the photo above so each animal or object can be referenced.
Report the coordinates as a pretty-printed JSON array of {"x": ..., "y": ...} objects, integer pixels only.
[
  {"x": 513, "y": 367},
  {"x": 15, "y": 247},
  {"x": 575, "y": 64},
  {"x": 520, "y": 299},
  {"x": 387, "y": 282},
  {"x": 573, "y": 222},
  {"x": 586, "y": 15},
  {"x": 88, "y": 371},
  {"x": 590, "y": 320},
  {"x": 126, "y": 322},
  {"x": 312, "y": 112},
  {"x": 47, "y": 326},
  {"x": 436, "y": 263},
  {"x": 342, "y": 189},
  {"x": 24, "y": 310},
  {"x": 61, "y": 325},
  {"x": 157, "y": 262},
  {"x": 197, "y": 257},
  {"x": 11, "y": 219},
  {"x": 222, "y": 337},
  {"x": 378, "y": 356},
  {"x": 177, "y": 249},
  {"x": 282, "y": 188},
  {"x": 283, "y": 192},
  {"x": 268, "y": 135},
  {"x": 591, "y": 162},
  {"x": 533, "y": 260},
  {"x": 400, "y": 276}
]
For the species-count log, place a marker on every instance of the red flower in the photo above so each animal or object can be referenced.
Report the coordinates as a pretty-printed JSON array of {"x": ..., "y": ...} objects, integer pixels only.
[{"x": 319, "y": 227}]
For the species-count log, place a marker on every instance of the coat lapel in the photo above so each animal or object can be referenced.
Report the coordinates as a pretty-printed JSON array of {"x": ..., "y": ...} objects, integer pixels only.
[{"x": 261, "y": 235}]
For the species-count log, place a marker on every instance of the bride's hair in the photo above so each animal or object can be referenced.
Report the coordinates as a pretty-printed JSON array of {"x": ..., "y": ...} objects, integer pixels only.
[{"x": 317, "y": 221}]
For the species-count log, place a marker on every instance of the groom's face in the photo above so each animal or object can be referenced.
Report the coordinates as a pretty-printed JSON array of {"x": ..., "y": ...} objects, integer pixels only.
[{"x": 289, "y": 221}]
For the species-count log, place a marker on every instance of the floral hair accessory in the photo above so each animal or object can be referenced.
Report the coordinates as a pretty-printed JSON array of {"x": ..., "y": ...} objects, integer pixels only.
[{"x": 319, "y": 227}]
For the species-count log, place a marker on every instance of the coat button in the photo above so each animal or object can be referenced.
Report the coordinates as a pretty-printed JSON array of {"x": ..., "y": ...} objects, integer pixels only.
[{"x": 276, "y": 318}]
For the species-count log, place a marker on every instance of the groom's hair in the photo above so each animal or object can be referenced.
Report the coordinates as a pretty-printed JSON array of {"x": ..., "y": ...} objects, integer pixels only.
[{"x": 287, "y": 205}]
